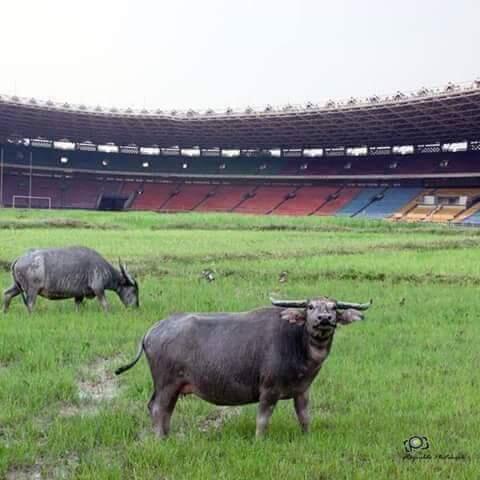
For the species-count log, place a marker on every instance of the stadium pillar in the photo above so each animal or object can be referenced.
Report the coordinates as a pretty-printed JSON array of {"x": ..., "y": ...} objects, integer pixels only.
[
  {"x": 30, "y": 181},
  {"x": 1, "y": 176}
]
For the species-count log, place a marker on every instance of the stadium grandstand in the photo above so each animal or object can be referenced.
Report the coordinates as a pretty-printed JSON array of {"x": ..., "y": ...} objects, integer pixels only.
[{"x": 404, "y": 157}]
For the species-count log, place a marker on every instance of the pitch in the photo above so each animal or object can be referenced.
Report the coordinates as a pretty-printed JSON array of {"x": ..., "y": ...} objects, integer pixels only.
[{"x": 397, "y": 398}]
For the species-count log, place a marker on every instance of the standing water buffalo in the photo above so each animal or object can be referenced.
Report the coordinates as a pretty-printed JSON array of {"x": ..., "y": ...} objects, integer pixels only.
[
  {"x": 263, "y": 356},
  {"x": 73, "y": 272}
]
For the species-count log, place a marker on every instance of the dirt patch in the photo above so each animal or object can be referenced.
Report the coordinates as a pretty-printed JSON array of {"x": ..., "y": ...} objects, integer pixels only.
[
  {"x": 87, "y": 410},
  {"x": 258, "y": 228},
  {"x": 350, "y": 225},
  {"x": 58, "y": 471},
  {"x": 65, "y": 468},
  {"x": 58, "y": 223},
  {"x": 216, "y": 419},
  {"x": 30, "y": 473},
  {"x": 101, "y": 384},
  {"x": 97, "y": 384}
]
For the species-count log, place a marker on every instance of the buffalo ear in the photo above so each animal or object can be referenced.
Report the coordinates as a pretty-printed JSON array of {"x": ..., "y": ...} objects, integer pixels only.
[
  {"x": 349, "y": 316},
  {"x": 294, "y": 315}
]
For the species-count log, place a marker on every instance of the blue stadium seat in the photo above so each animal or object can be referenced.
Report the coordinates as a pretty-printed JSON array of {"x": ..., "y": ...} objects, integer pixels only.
[
  {"x": 473, "y": 219},
  {"x": 392, "y": 200},
  {"x": 363, "y": 198}
]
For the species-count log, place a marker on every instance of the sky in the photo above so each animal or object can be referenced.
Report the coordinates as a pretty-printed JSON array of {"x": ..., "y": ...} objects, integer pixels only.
[{"x": 200, "y": 54}]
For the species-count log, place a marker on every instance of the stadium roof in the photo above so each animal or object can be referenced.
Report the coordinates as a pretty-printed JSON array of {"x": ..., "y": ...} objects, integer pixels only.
[{"x": 450, "y": 114}]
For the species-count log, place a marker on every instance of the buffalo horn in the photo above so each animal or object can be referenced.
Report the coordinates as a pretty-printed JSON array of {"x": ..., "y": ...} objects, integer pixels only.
[
  {"x": 123, "y": 269},
  {"x": 356, "y": 306},
  {"x": 289, "y": 303}
]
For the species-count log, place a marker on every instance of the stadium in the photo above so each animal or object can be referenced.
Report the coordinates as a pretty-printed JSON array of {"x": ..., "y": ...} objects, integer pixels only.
[
  {"x": 195, "y": 290},
  {"x": 404, "y": 157}
]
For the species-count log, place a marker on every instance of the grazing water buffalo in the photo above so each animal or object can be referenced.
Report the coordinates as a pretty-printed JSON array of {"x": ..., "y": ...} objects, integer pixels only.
[
  {"x": 263, "y": 356},
  {"x": 74, "y": 272}
]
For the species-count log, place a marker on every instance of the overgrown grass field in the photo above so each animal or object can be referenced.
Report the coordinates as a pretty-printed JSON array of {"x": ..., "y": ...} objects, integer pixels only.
[{"x": 412, "y": 368}]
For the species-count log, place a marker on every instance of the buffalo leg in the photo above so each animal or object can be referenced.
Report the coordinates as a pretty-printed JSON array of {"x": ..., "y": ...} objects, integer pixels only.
[
  {"x": 78, "y": 303},
  {"x": 161, "y": 408},
  {"x": 8, "y": 294},
  {"x": 301, "y": 409},
  {"x": 31, "y": 298},
  {"x": 264, "y": 412},
  {"x": 101, "y": 298}
]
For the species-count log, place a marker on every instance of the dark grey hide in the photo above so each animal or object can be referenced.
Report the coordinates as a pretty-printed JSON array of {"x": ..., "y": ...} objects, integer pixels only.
[
  {"x": 74, "y": 272},
  {"x": 263, "y": 356}
]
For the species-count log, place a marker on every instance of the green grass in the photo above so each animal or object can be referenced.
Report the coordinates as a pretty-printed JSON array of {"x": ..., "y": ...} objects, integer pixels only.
[{"x": 411, "y": 368}]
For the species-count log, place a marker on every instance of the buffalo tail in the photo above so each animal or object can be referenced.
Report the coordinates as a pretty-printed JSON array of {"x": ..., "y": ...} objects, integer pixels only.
[
  {"x": 17, "y": 283},
  {"x": 124, "y": 368}
]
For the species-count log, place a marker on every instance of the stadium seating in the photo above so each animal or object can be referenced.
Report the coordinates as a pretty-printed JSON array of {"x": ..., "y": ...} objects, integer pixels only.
[
  {"x": 87, "y": 176},
  {"x": 306, "y": 201},
  {"x": 418, "y": 163},
  {"x": 397, "y": 203},
  {"x": 473, "y": 218},
  {"x": 464, "y": 217},
  {"x": 363, "y": 199},
  {"x": 445, "y": 213},
  {"x": 48, "y": 187},
  {"x": 419, "y": 213},
  {"x": 342, "y": 198},
  {"x": 264, "y": 200},
  {"x": 62, "y": 192},
  {"x": 188, "y": 197},
  {"x": 389, "y": 202},
  {"x": 80, "y": 193},
  {"x": 131, "y": 186},
  {"x": 382, "y": 164},
  {"x": 225, "y": 198},
  {"x": 408, "y": 207},
  {"x": 440, "y": 212},
  {"x": 152, "y": 196},
  {"x": 14, "y": 185},
  {"x": 448, "y": 213}
]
